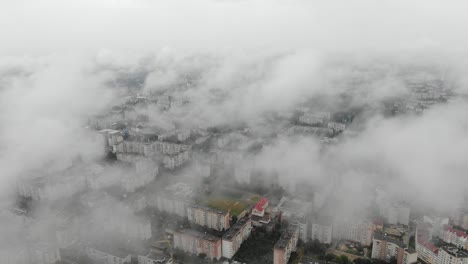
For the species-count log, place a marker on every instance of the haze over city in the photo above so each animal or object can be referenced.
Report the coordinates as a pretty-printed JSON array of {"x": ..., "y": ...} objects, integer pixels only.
[{"x": 227, "y": 131}]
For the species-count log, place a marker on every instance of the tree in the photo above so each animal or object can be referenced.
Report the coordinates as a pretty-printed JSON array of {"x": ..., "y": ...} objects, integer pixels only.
[
  {"x": 329, "y": 257},
  {"x": 202, "y": 255},
  {"x": 338, "y": 260},
  {"x": 362, "y": 261},
  {"x": 344, "y": 259},
  {"x": 233, "y": 219},
  {"x": 315, "y": 247},
  {"x": 393, "y": 260}
]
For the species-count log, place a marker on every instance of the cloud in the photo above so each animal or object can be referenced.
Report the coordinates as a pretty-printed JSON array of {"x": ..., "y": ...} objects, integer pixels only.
[
  {"x": 231, "y": 62},
  {"x": 44, "y": 108}
]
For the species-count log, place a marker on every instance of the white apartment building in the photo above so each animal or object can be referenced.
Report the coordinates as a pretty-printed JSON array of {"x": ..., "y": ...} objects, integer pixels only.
[
  {"x": 357, "y": 231},
  {"x": 174, "y": 161},
  {"x": 235, "y": 236},
  {"x": 108, "y": 255},
  {"x": 452, "y": 255},
  {"x": 410, "y": 256},
  {"x": 322, "y": 232},
  {"x": 195, "y": 242},
  {"x": 384, "y": 248},
  {"x": 337, "y": 127},
  {"x": 215, "y": 219},
  {"x": 302, "y": 226},
  {"x": 456, "y": 237},
  {"x": 285, "y": 246},
  {"x": 426, "y": 250},
  {"x": 319, "y": 118}
]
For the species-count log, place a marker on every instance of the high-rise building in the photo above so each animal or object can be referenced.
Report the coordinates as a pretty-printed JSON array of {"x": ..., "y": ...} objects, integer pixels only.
[
  {"x": 285, "y": 245},
  {"x": 197, "y": 243},
  {"x": 410, "y": 256},
  {"x": 211, "y": 218},
  {"x": 385, "y": 248},
  {"x": 235, "y": 236},
  {"x": 452, "y": 255},
  {"x": 357, "y": 231},
  {"x": 454, "y": 236},
  {"x": 322, "y": 232},
  {"x": 426, "y": 250}
]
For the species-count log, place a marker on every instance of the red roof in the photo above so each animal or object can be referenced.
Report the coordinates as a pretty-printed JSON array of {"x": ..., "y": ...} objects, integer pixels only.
[
  {"x": 430, "y": 246},
  {"x": 260, "y": 206},
  {"x": 458, "y": 232}
]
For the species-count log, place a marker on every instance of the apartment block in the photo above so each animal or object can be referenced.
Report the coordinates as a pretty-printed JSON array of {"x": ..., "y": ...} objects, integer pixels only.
[
  {"x": 196, "y": 243},
  {"x": 235, "y": 236},
  {"x": 285, "y": 246},
  {"x": 211, "y": 218},
  {"x": 384, "y": 248}
]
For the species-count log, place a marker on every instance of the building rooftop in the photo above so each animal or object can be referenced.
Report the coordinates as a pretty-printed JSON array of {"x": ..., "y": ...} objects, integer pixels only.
[
  {"x": 219, "y": 212},
  {"x": 385, "y": 237},
  {"x": 260, "y": 206},
  {"x": 232, "y": 232},
  {"x": 197, "y": 234},
  {"x": 285, "y": 238},
  {"x": 458, "y": 232},
  {"x": 454, "y": 251}
]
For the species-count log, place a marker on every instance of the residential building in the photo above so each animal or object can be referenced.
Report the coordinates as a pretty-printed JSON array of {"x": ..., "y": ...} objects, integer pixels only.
[
  {"x": 174, "y": 199},
  {"x": 302, "y": 225},
  {"x": 294, "y": 208},
  {"x": 452, "y": 255},
  {"x": 211, "y": 218},
  {"x": 437, "y": 223},
  {"x": 426, "y": 250},
  {"x": 176, "y": 160},
  {"x": 285, "y": 245},
  {"x": 337, "y": 127},
  {"x": 171, "y": 204},
  {"x": 397, "y": 213},
  {"x": 104, "y": 254},
  {"x": 461, "y": 218},
  {"x": 315, "y": 119},
  {"x": 322, "y": 232},
  {"x": 260, "y": 207},
  {"x": 196, "y": 243},
  {"x": 112, "y": 138},
  {"x": 454, "y": 236},
  {"x": 385, "y": 247},
  {"x": 154, "y": 258},
  {"x": 235, "y": 236},
  {"x": 149, "y": 148},
  {"x": 410, "y": 256},
  {"x": 358, "y": 231}
]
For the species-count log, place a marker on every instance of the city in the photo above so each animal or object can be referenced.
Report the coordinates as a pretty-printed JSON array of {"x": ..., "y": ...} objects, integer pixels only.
[{"x": 233, "y": 132}]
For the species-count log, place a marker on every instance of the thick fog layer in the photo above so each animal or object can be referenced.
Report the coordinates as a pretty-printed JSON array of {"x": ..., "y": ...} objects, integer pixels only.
[{"x": 252, "y": 64}]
